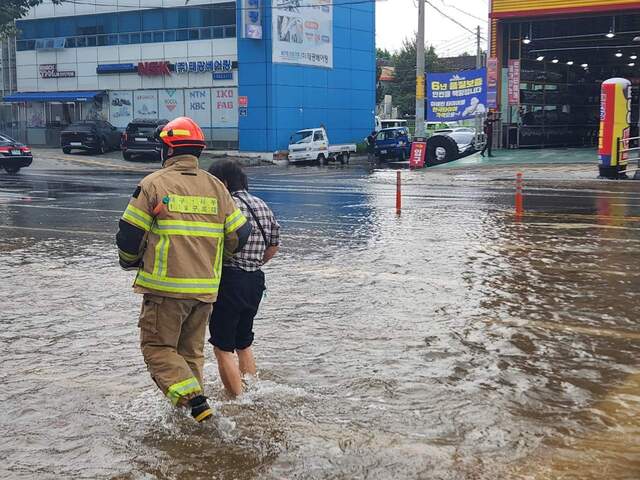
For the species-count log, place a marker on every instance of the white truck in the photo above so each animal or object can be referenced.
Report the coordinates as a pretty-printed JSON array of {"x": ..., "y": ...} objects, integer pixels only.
[{"x": 312, "y": 144}]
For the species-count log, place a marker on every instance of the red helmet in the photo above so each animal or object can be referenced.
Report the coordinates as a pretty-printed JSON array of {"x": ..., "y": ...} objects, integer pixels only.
[{"x": 182, "y": 132}]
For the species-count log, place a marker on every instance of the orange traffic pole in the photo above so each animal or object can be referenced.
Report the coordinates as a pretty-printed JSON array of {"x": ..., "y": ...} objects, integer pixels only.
[
  {"x": 398, "y": 193},
  {"x": 519, "y": 197}
]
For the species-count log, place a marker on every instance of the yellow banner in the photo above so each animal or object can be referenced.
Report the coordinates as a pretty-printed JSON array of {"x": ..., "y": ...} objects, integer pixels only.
[{"x": 532, "y": 7}]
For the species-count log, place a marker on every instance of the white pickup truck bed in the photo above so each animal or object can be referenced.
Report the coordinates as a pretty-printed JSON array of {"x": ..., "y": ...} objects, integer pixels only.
[{"x": 312, "y": 144}]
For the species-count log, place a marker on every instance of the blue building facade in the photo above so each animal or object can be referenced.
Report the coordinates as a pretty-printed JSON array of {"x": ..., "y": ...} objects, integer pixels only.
[{"x": 283, "y": 98}]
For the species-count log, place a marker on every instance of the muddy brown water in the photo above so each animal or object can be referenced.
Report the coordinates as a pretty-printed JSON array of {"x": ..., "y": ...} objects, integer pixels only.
[{"x": 452, "y": 342}]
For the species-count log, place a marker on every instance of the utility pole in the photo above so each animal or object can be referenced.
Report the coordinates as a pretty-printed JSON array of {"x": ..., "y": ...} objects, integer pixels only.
[
  {"x": 479, "y": 49},
  {"x": 420, "y": 130}
]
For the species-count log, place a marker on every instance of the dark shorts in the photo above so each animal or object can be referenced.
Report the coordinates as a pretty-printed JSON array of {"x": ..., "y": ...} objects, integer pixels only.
[{"x": 239, "y": 296}]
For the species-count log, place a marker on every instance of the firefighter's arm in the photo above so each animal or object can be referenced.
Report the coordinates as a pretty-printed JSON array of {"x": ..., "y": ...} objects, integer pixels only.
[
  {"x": 134, "y": 226},
  {"x": 236, "y": 227}
]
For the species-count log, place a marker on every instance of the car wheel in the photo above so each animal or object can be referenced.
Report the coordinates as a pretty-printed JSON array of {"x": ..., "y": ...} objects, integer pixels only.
[
  {"x": 127, "y": 155},
  {"x": 12, "y": 170},
  {"x": 66, "y": 150},
  {"x": 441, "y": 149}
]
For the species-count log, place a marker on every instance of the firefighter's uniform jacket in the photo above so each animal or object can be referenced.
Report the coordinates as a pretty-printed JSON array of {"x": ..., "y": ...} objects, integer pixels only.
[{"x": 179, "y": 223}]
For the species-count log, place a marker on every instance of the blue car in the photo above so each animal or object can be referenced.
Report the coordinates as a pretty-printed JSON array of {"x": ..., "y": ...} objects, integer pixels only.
[{"x": 393, "y": 143}]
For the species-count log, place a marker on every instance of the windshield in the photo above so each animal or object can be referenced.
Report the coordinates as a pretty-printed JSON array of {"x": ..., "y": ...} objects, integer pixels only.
[
  {"x": 303, "y": 136},
  {"x": 4, "y": 140}
]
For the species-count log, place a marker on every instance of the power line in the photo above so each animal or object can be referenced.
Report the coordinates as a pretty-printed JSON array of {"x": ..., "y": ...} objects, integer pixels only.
[
  {"x": 462, "y": 11},
  {"x": 452, "y": 19}
]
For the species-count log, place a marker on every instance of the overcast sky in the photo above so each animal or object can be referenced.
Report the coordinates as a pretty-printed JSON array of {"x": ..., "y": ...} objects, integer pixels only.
[{"x": 398, "y": 19}]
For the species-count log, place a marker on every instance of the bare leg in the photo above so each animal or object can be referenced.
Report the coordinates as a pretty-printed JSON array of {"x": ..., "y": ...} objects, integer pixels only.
[
  {"x": 229, "y": 371},
  {"x": 247, "y": 362}
]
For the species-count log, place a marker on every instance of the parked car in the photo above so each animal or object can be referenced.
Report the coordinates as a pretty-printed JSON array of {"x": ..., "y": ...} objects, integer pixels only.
[
  {"x": 450, "y": 144},
  {"x": 431, "y": 127},
  {"x": 138, "y": 139},
  {"x": 14, "y": 155},
  {"x": 393, "y": 143},
  {"x": 92, "y": 135},
  {"x": 465, "y": 137}
]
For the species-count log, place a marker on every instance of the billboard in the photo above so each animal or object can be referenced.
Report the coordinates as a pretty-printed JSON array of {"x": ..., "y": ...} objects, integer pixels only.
[
  {"x": 120, "y": 108},
  {"x": 145, "y": 104},
  {"x": 513, "y": 85},
  {"x": 170, "y": 103},
  {"x": 456, "y": 96},
  {"x": 303, "y": 32}
]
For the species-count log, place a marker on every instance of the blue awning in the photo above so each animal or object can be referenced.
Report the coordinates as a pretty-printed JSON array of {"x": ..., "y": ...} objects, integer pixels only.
[{"x": 53, "y": 96}]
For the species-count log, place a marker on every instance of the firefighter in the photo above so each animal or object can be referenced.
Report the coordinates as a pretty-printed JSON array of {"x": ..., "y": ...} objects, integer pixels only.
[{"x": 174, "y": 232}]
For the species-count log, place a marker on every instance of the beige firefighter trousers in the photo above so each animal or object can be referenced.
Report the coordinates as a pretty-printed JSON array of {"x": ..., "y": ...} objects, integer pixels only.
[{"x": 172, "y": 341}]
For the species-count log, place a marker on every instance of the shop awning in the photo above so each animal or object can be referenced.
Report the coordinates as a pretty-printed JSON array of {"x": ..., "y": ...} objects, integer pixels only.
[{"x": 53, "y": 96}]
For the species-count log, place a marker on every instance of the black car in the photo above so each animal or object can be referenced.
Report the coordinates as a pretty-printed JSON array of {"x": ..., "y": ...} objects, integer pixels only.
[
  {"x": 14, "y": 155},
  {"x": 139, "y": 139},
  {"x": 92, "y": 135}
]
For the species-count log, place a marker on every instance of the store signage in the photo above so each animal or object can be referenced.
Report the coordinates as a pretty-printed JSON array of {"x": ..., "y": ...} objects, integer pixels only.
[
  {"x": 243, "y": 101},
  {"x": 220, "y": 69},
  {"x": 116, "y": 68},
  {"x": 154, "y": 69},
  {"x": 251, "y": 19},
  {"x": 514, "y": 82},
  {"x": 203, "y": 66},
  {"x": 456, "y": 96},
  {"x": 243, "y": 111},
  {"x": 50, "y": 70}
]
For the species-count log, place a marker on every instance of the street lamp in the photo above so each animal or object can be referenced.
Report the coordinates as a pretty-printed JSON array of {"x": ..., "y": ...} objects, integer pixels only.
[
  {"x": 540, "y": 58},
  {"x": 619, "y": 54},
  {"x": 570, "y": 62}
]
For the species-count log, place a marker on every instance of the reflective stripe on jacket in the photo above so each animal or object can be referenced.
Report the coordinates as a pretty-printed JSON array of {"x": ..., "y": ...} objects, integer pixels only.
[{"x": 190, "y": 220}]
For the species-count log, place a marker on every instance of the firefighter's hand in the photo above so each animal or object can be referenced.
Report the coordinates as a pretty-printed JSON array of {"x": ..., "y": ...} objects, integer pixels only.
[{"x": 130, "y": 265}]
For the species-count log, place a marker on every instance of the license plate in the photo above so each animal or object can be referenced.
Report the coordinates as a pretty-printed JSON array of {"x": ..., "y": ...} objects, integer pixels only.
[
  {"x": 76, "y": 144},
  {"x": 383, "y": 152},
  {"x": 141, "y": 139},
  {"x": 16, "y": 152}
]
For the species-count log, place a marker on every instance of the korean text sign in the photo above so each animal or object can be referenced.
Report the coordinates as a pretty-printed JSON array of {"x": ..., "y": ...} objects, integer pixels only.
[
  {"x": 456, "y": 96},
  {"x": 303, "y": 32}
]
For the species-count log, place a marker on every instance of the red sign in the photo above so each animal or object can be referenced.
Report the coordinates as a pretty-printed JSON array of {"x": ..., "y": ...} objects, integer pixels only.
[
  {"x": 153, "y": 69},
  {"x": 514, "y": 82},
  {"x": 418, "y": 154},
  {"x": 243, "y": 101}
]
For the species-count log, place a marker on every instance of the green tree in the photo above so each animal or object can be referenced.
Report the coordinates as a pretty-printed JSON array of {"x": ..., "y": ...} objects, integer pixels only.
[
  {"x": 11, "y": 10},
  {"x": 403, "y": 89}
]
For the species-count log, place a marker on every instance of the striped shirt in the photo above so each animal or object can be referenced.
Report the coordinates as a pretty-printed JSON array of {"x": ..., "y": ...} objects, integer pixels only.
[{"x": 250, "y": 257}]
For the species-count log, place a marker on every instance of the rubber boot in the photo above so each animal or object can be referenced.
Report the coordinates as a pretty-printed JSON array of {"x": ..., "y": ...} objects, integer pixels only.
[{"x": 200, "y": 409}]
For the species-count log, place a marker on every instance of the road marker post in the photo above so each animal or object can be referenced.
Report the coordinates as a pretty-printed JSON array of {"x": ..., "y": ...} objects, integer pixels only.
[
  {"x": 519, "y": 195},
  {"x": 398, "y": 193}
]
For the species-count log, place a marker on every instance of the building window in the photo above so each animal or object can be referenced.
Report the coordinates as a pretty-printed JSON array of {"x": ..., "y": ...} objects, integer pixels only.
[{"x": 126, "y": 28}]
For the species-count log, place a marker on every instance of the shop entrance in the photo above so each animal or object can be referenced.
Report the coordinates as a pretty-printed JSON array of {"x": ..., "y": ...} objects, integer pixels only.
[{"x": 563, "y": 63}]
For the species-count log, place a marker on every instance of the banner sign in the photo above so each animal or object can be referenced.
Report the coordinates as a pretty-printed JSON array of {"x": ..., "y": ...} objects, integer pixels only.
[
  {"x": 198, "y": 105},
  {"x": 492, "y": 82},
  {"x": 303, "y": 32},
  {"x": 418, "y": 154},
  {"x": 120, "y": 108},
  {"x": 145, "y": 104},
  {"x": 514, "y": 82},
  {"x": 456, "y": 96},
  {"x": 224, "y": 108},
  {"x": 50, "y": 70},
  {"x": 251, "y": 19}
]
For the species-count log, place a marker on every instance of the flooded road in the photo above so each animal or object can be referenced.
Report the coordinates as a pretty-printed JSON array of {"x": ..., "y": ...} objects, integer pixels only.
[{"x": 453, "y": 342}]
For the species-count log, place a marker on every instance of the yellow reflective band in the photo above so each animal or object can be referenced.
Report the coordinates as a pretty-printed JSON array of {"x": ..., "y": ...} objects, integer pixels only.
[
  {"x": 177, "y": 285},
  {"x": 127, "y": 256},
  {"x": 182, "y": 389},
  {"x": 193, "y": 229},
  {"x": 161, "y": 257},
  {"x": 137, "y": 217},
  {"x": 217, "y": 266},
  {"x": 234, "y": 221},
  {"x": 188, "y": 204},
  {"x": 176, "y": 133}
]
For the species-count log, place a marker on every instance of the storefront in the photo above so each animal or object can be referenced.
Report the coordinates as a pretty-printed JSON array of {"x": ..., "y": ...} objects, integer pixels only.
[
  {"x": 249, "y": 73},
  {"x": 549, "y": 60}
]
